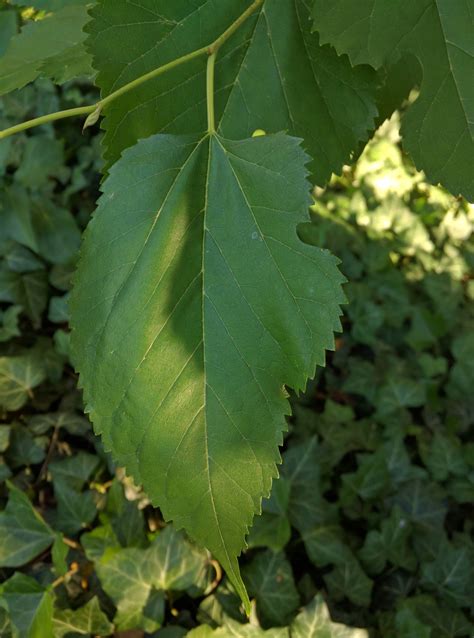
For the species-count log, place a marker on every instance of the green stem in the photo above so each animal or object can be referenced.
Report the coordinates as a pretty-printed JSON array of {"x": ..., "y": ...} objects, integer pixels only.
[
  {"x": 211, "y": 122},
  {"x": 151, "y": 75},
  {"x": 210, "y": 50},
  {"x": 44, "y": 119},
  {"x": 216, "y": 45}
]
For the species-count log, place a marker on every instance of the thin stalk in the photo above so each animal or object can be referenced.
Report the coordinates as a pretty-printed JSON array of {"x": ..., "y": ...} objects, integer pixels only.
[
  {"x": 151, "y": 75},
  {"x": 211, "y": 121},
  {"x": 45, "y": 119},
  {"x": 216, "y": 45},
  {"x": 210, "y": 50}
]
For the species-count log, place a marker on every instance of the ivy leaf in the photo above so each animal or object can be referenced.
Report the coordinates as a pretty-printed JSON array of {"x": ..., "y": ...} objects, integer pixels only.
[
  {"x": 446, "y": 621},
  {"x": 75, "y": 470},
  {"x": 203, "y": 270},
  {"x": 125, "y": 518},
  {"x": 28, "y": 290},
  {"x": 5, "y": 432},
  {"x": 23, "y": 533},
  {"x": 18, "y": 377},
  {"x": 59, "y": 552},
  {"x": 408, "y": 625},
  {"x": 58, "y": 311},
  {"x": 272, "y": 528},
  {"x": 9, "y": 323},
  {"x": 136, "y": 578},
  {"x": 423, "y": 504},
  {"x": 399, "y": 393},
  {"x": 443, "y": 457},
  {"x": 89, "y": 619},
  {"x": 270, "y": 581},
  {"x": 325, "y": 546},
  {"x": 38, "y": 49},
  {"x": 72, "y": 422},
  {"x": 309, "y": 91},
  {"x": 234, "y": 629},
  {"x": 369, "y": 481},
  {"x": 76, "y": 510},
  {"x": 451, "y": 575},
  {"x": 391, "y": 544},
  {"x": 349, "y": 580},
  {"x": 314, "y": 621},
  {"x": 24, "y": 449},
  {"x": 307, "y": 507},
  {"x": 29, "y": 606},
  {"x": 21, "y": 259},
  {"x": 439, "y": 34}
]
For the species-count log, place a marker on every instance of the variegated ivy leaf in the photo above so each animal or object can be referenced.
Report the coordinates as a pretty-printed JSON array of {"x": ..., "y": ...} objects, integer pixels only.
[{"x": 314, "y": 621}]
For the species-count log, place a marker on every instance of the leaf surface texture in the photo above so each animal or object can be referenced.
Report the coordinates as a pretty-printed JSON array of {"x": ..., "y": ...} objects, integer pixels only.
[{"x": 195, "y": 302}]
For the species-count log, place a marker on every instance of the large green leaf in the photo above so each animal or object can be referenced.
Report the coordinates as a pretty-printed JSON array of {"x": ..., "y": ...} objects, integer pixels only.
[
  {"x": 23, "y": 533},
  {"x": 438, "y": 129},
  {"x": 308, "y": 90},
  {"x": 195, "y": 302},
  {"x": 51, "y": 47}
]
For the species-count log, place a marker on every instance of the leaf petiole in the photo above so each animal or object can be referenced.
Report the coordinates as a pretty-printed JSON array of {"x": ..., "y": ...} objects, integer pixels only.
[
  {"x": 209, "y": 50},
  {"x": 211, "y": 63}
]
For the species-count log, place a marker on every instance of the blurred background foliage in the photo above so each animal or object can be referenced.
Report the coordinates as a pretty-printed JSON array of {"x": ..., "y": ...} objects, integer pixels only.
[{"x": 369, "y": 529}]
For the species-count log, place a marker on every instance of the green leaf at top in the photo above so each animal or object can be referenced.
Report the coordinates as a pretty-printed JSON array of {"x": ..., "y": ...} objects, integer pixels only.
[
  {"x": 23, "y": 533},
  {"x": 43, "y": 49},
  {"x": 195, "y": 302},
  {"x": 272, "y": 74},
  {"x": 438, "y": 129},
  {"x": 314, "y": 621}
]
